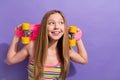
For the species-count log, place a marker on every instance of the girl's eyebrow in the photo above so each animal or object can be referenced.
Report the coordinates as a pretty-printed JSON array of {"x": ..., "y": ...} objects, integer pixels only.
[
  {"x": 50, "y": 20},
  {"x": 53, "y": 19}
]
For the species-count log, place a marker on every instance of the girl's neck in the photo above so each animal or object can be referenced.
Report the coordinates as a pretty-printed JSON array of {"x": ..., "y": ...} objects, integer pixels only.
[
  {"x": 52, "y": 48},
  {"x": 52, "y": 45}
]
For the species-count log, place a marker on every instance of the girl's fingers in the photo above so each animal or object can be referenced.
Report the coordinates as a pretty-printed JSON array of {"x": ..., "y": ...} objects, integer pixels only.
[{"x": 19, "y": 27}]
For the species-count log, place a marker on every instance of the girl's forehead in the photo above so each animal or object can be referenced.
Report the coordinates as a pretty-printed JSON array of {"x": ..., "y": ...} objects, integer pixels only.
[{"x": 55, "y": 16}]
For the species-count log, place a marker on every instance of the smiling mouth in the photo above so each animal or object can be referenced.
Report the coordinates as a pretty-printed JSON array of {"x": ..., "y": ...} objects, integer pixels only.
[{"x": 56, "y": 33}]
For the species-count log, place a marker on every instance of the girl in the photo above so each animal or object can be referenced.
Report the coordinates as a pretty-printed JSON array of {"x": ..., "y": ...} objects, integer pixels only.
[{"x": 50, "y": 54}]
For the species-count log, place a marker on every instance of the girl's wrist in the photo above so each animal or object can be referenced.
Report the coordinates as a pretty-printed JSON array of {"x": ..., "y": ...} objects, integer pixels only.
[{"x": 79, "y": 42}]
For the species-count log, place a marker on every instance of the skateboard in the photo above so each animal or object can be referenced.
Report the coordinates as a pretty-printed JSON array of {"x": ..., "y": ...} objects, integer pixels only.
[{"x": 28, "y": 32}]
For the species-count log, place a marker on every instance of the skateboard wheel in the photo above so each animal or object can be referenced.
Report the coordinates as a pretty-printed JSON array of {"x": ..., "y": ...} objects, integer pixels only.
[
  {"x": 72, "y": 42},
  {"x": 73, "y": 29},
  {"x": 25, "y": 40},
  {"x": 25, "y": 26}
]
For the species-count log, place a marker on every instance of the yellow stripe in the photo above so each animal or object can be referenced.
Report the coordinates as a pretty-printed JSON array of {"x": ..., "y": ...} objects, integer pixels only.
[
  {"x": 52, "y": 69},
  {"x": 31, "y": 73},
  {"x": 31, "y": 66},
  {"x": 29, "y": 78},
  {"x": 50, "y": 76}
]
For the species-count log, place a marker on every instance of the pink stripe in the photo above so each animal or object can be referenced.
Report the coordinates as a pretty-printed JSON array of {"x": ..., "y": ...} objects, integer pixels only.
[
  {"x": 48, "y": 79},
  {"x": 31, "y": 60},
  {"x": 58, "y": 64},
  {"x": 30, "y": 68}
]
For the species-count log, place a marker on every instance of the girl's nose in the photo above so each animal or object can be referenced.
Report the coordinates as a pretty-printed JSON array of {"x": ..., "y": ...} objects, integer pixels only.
[{"x": 56, "y": 26}]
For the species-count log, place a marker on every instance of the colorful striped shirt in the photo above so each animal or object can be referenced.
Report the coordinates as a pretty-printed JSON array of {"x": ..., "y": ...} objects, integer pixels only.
[{"x": 50, "y": 72}]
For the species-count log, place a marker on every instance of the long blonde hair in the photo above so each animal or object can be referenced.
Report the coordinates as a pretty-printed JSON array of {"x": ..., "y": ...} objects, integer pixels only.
[{"x": 41, "y": 46}]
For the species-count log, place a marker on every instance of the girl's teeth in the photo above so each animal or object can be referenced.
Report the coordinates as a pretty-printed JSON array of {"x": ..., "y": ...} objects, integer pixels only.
[{"x": 56, "y": 32}]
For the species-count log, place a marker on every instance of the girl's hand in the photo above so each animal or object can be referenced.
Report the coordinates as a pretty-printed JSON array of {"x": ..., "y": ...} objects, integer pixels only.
[
  {"x": 17, "y": 29},
  {"x": 78, "y": 34}
]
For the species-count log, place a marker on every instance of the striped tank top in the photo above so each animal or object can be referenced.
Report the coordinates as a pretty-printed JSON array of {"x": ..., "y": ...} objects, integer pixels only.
[{"x": 49, "y": 72}]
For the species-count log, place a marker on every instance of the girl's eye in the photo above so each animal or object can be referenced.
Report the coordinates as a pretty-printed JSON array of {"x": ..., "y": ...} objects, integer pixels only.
[
  {"x": 61, "y": 22},
  {"x": 50, "y": 23}
]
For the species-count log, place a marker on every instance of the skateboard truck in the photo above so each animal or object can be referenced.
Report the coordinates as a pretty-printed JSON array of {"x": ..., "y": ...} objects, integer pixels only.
[{"x": 72, "y": 31}]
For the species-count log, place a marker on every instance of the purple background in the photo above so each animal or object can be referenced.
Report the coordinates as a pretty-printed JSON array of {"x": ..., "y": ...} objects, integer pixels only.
[{"x": 98, "y": 19}]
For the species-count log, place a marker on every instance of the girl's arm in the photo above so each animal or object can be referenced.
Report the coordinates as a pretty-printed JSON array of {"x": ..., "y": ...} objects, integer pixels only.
[
  {"x": 14, "y": 56},
  {"x": 80, "y": 56}
]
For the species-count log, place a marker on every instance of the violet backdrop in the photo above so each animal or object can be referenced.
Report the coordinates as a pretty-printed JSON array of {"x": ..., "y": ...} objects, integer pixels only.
[{"x": 98, "y": 19}]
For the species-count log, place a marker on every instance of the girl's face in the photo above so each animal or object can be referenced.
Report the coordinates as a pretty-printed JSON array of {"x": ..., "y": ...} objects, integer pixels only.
[{"x": 55, "y": 26}]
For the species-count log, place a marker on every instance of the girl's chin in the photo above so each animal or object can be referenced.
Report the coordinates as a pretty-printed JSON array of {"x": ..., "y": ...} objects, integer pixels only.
[{"x": 55, "y": 37}]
